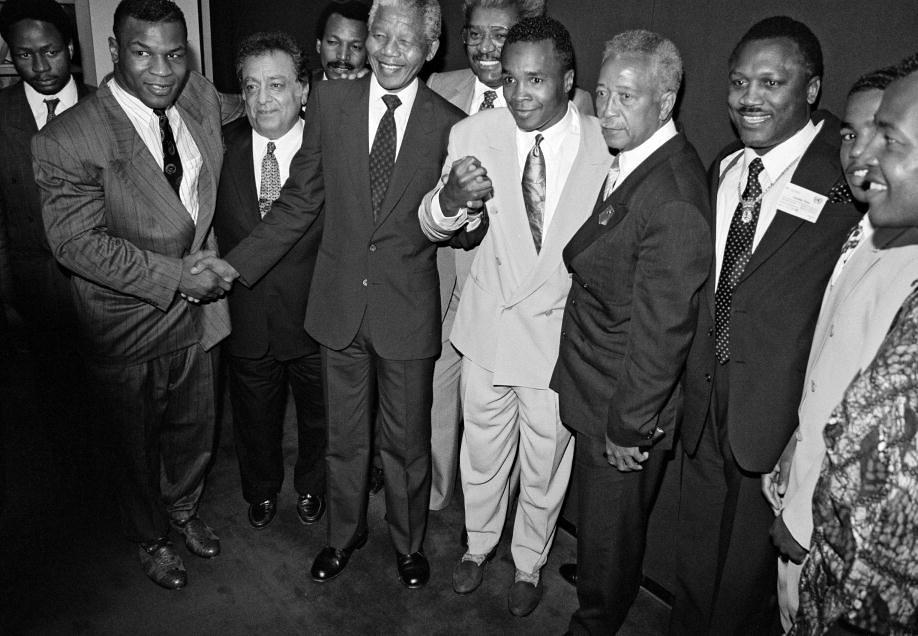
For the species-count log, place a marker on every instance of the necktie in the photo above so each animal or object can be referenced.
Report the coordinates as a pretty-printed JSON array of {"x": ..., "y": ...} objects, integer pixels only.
[
  {"x": 51, "y": 104},
  {"x": 172, "y": 163},
  {"x": 736, "y": 256},
  {"x": 534, "y": 190},
  {"x": 488, "y": 100},
  {"x": 382, "y": 154},
  {"x": 270, "y": 180},
  {"x": 612, "y": 178}
]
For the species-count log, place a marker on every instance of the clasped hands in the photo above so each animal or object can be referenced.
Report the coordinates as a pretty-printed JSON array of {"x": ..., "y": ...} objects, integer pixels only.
[
  {"x": 467, "y": 186},
  {"x": 205, "y": 277}
]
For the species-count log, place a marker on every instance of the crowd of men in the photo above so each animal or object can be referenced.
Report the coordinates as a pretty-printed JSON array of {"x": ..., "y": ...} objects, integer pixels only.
[{"x": 478, "y": 281}]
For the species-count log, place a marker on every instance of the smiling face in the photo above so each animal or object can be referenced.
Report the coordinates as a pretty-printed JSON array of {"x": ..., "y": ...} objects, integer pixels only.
[
  {"x": 856, "y": 132},
  {"x": 342, "y": 48},
  {"x": 273, "y": 95},
  {"x": 535, "y": 85},
  {"x": 629, "y": 103},
  {"x": 40, "y": 55},
  {"x": 892, "y": 157},
  {"x": 397, "y": 47},
  {"x": 150, "y": 61},
  {"x": 484, "y": 38},
  {"x": 770, "y": 96}
]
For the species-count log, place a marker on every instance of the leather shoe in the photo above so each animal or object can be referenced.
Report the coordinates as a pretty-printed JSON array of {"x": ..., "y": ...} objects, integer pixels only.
[
  {"x": 467, "y": 575},
  {"x": 524, "y": 597},
  {"x": 377, "y": 480},
  {"x": 262, "y": 513},
  {"x": 330, "y": 562},
  {"x": 310, "y": 508},
  {"x": 199, "y": 538},
  {"x": 569, "y": 573},
  {"x": 164, "y": 567},
  {"x": 413, "y": 569}
]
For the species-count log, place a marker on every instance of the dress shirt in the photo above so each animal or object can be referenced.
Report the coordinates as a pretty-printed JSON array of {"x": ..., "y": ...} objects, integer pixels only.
[
  {"x": 284, "y": 149},
  {"x": 67, "y": 96},
  {"x": 560, "y": 145},
  {"x": 378, "y": 109},
  {"x": 629, "y": 160},
  {"x": 478, "y": 97},
  {"x": 776, "y": 161},
  {"x": 146, "y": 123}
]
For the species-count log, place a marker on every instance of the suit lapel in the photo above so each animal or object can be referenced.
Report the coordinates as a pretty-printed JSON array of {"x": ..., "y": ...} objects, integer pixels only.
[
  {"x": 240, "y": 166},
  {"x": 354, "y": 118},
  {"x": 20, "y": 119}
]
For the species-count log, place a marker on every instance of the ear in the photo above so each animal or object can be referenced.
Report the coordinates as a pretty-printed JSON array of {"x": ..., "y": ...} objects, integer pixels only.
[
  {"x": 305, "y": 94},
  {"x": 568, "y": 80},
  {"x": 432, "y": 49},
  {"x": 318, "y": 46},
  {"x": 667, "y": 102},
  {"x": 113, "y": 49},
  {"x": 70, "y": 49},
  {"x": 812, "y": 89}
]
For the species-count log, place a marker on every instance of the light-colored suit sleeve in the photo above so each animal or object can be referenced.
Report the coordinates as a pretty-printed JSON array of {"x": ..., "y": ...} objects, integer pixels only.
[{"x": 73, "y": 210}]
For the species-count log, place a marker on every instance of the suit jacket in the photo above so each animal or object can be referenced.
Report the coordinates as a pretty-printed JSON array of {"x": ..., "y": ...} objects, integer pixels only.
[
  {"x": 113, "y": 219},
  {"x": 42, "y": 286},
  {"x": 383, "y": 269},
  {"x": 855, "y": 316},
  {"x": 509, "y": 318},
  {"x": 630, "y": 315},
  {"x": 268, "y": 317},
  {"x": 775, "y": 306}
]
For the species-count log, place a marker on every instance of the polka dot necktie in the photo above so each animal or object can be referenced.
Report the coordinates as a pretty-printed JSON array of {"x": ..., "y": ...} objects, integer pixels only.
[
  {"x": 51, "y": 105},
  {"x": 736, "y": 256},
  {"x": 534, "y": 190},
  {"x": 382, "y": 154},
  {"x": 487, "y": 101},
  {"x": 270, "y": 180},
  {"x": 172, "y": 163}
]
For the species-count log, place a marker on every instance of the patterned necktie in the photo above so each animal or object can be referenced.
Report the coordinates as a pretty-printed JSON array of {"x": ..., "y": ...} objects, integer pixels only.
[
  {"x": 614, "y": 171},
  {"x": 534, "y": 191},
  {"x": 488, "y": 100},
  {"x": 172, "y": 163},
  {"x": 270, "y": 180},
  {"x": 51, "y": 105},
  {"x": 382, "y": 154},
  {"x": 736, "y": 256}
]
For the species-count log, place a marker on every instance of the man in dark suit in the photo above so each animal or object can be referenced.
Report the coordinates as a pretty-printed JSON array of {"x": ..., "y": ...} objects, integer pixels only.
[
  {"x": 782, "y": 210},
  {"x": 638, "y": 263},
  {"x": 373, "y": 304},
  {"x": 341, "y": 35},
  {"x": 268, "y": 348},
  {"x": 128, "y": 182}
]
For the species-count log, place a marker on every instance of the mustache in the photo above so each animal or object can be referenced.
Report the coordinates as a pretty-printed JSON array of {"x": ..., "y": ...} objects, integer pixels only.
[
  {"x": 750, "y": 110},
  {"x": 342, "y": 66},
  {"x": 486, "y": 57}
]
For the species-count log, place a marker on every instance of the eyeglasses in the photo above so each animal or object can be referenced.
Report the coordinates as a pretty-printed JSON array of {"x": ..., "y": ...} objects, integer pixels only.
[{"x": 473, "y": 36}]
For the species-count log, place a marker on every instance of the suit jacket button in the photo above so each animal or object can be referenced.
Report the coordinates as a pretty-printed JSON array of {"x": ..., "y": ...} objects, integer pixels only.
[
  {"x": 563, "y": 333},
  {"x": 364, "y": 282},
  {"x": 812, "y": 386},
  {"x": 707, "y": 377},
  {"x": 372, "y": 247},
  {"x": 710, "y": 332}
]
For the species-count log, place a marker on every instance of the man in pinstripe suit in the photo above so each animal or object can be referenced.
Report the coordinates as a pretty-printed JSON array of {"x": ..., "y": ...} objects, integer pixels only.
[{"x": 128, "y": 180}]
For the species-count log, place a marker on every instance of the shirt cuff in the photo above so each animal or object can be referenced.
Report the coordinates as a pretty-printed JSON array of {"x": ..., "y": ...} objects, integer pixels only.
[{"x": 447, "y": 223}]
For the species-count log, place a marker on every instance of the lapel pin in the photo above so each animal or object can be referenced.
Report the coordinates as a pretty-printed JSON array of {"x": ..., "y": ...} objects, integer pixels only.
[{"x": 606, "y": 215}]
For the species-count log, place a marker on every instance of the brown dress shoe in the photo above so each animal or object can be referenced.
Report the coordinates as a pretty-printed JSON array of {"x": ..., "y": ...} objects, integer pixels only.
[
  {"x": 524, "y": 597},
  {"x": 310, "y": 508},
  {"x": 164, "y": 567},
  {"x": 467, "y": 575},
  {"x": 199, "y": 538}
]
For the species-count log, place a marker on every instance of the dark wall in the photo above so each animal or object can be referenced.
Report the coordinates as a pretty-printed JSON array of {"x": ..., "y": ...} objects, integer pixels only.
[{"x": 856, "y": 37}]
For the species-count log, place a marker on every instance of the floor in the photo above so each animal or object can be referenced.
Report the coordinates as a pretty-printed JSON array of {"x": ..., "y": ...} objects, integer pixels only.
[{"x": 65, "y": 569}]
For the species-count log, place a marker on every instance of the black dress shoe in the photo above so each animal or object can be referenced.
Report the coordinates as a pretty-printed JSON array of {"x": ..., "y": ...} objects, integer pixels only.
[
  {"x": 377, "y": 480},
  {"x": 330, "y": 562},
  {"x": 199, "y": 538},
  {"x": 569, "y": 573},
  {"x": 262, "y": 513},
  {"x": 413, "y": 569},
  {"x": 160, "y": 562},
  {"x": 310, "y": 508}
]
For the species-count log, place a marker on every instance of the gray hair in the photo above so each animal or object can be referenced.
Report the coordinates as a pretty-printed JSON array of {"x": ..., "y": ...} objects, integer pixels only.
[
  {"x": 525, "y": 8},
  {"x": 667, "y": 63},
  {"x": 427, "y": 10}
]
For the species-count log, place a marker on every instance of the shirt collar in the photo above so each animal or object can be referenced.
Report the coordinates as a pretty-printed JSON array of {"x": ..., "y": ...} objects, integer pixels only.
[
  {"x": 406, "y": 95},
  {"x": 785, "y": 153},
  {"x": 134, "y": 102},
  {"x": 481, "y": 88},
  {"x": 628, "y": 160},
  {"x": 292, "y": 137},
  {"x": 569, "y": 124},
  {"x": 68, "y": 97}
]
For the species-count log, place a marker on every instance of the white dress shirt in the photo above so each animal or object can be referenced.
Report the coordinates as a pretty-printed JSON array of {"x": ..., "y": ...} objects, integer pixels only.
[
  {"x": 478, "y": 96},
  {"x": 147, "y": 126},
  {"x": 284, "y": 149},
  {"x": 780, "y": 164},
  {"x": 67, "y": 96},
  {"x": 629, "y": 160},
  {"x": 378, "y": 109}
]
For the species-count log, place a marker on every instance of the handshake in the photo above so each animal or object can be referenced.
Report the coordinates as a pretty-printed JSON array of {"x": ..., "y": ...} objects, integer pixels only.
[{"x": 205, "y": 277}]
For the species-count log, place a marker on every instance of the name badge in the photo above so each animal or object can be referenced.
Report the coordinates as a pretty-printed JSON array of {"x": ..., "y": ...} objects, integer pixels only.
[{"x": 802, "y": 203}]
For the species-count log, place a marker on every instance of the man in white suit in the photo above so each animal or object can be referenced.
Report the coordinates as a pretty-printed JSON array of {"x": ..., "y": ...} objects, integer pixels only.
[
  {"x": 538, "y": 165},
  {"x": 875, "y": 272},
  {"x": 472, "y": 89}
]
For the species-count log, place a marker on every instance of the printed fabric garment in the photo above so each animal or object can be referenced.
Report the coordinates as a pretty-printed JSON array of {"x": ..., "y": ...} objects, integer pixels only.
[{"x": 862, "y": 568}]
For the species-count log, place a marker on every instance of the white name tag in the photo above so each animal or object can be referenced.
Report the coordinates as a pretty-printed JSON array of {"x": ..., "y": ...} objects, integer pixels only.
[{"x": 802, "y": 203}]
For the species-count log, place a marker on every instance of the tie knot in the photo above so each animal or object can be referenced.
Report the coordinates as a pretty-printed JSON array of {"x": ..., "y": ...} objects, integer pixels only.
[
  {"x": 271, "y": 147},
  {"x": 52, "y": 103},
  {"x": 392, "y": 102},
  {"x": 489, "y": 97},
  {"x": 161, "y": 113},
  {"x": 755, "y": 167}
]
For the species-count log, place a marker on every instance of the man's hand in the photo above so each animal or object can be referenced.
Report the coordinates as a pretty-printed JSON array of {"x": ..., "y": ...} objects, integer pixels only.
[
  {"x": 207, "y": 260},
  {"x": 467, "y": 239},
  {"x": 785, "y": 542},
  {"x": 774, "y": 484},
  {"x": 201, "y": 282},
  {"x": 467, "y": 186},
  {"x": 625, "y": 458}
]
